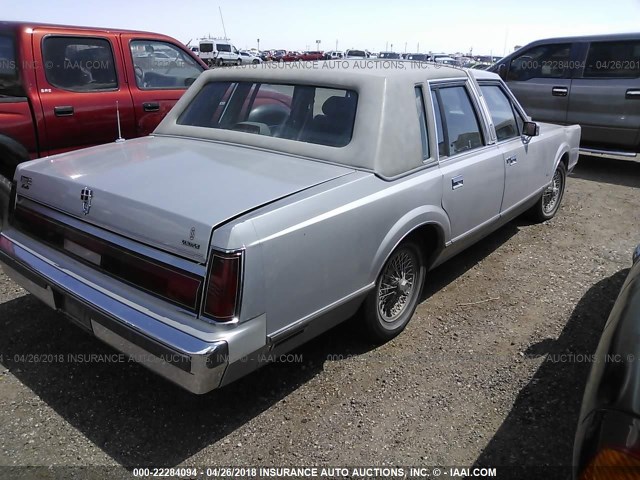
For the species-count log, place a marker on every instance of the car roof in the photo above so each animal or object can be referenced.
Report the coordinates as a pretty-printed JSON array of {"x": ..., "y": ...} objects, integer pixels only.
[
  {"x": 352, "y": 70},
  {"x": 589, "y": 38},
  {"x": 39, "y": 25}
]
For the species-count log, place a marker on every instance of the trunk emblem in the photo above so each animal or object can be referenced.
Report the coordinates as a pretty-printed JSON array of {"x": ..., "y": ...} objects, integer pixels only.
[
  {"x": 86, "y": 195},
  {"x": 25, "y": 182}
]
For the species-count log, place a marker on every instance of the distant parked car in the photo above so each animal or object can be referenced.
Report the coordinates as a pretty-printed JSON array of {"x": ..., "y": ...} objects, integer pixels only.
[
  {"x": 389, "y": 55},
  {"x": 293, "y": 215},
  {"x": 608, "y": 433},
  {"x": 291, "y": 57},
  {"x": 219, "y": 52},
  {"x": 312, "y": 56},
  {"x": 333, "y": 55},
  {"x": 356, "y": 54},
  {"x": 419, "y": 57},
  {"x": 593, "y": 81},
  {"x": 277, "y": 55},
  {"x": 248, "y": 58},
  {"x": 91, "y": 75}
]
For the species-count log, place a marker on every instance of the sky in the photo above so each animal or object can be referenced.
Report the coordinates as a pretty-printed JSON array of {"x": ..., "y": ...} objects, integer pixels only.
[{"x": 486, "y": 26}]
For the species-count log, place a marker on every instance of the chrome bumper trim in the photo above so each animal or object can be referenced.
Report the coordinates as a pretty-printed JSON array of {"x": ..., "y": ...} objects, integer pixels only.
[{"x": 194, "y": 364}]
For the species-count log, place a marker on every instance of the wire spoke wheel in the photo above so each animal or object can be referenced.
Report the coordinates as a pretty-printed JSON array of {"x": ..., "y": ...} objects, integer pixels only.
[
  {"x": 551, "y": 196},
  {"x": 396, "y": 287}
]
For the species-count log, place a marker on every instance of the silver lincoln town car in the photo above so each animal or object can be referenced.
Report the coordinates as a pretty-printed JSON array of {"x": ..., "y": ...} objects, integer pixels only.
[{"x": 271, "y": 204}]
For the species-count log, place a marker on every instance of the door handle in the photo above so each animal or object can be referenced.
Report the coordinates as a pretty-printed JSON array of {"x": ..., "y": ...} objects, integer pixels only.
[
  {"x": 559, "y": 91},
  {"x": 457, "y": 182},
  {"x": 63, "y": 111},
  {"x": 512, "y": 160},
  {"x": 633, "y": 94},
  {"x": 151, "y": 106}
]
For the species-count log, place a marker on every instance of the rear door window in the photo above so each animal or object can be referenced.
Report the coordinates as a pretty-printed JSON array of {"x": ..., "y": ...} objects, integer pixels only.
[
  {"x": 79, "y": 64},
  {"x": 9, "y": 77},
  {"x": 460, "y": 120},
  {"x": 613, "y": 60},
  {"x": 544, "y": 61},
  {"x": 161, "y": 65}
]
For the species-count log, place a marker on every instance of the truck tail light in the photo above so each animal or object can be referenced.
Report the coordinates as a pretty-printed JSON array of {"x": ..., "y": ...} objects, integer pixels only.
[
  {"x": 610, "y": 464},
  {"x": 223, "y": 287}
]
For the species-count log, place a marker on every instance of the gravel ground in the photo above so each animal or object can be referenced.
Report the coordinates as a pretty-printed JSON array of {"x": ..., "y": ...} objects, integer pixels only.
[{"x": 472, "y": 381}]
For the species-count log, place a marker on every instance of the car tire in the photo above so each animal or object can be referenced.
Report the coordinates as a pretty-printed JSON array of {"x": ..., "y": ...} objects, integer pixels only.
[
  {"x": 549, "y": 202},
  {"x": 390, "y": 305},
  {"x": 256, "y": 62},
  {"x": 12, "y": 153},
  {"x": 239, "y": 62}
]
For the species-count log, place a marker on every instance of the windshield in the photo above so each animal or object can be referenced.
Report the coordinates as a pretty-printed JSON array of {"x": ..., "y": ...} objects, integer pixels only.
[
  {"x": 356, "y": 53},
  {"x": 302, "y": 113}
]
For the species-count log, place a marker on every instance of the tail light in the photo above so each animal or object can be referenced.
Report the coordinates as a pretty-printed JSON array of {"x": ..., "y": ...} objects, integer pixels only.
[
  {"x": 223, "y": 288},
  {"x": 610, "y": 464},
  {"x": 162, "y": 280}
]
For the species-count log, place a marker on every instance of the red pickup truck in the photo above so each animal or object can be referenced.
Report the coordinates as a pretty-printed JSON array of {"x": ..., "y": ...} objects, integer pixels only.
[{"x": 61, "y": 86}]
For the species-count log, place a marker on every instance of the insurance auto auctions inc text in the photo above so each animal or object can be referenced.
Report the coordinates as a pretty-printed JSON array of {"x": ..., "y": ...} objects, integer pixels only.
[{"x": 351, "y": 472}]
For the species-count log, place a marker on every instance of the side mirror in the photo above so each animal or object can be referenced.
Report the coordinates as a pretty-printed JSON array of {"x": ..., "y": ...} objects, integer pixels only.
[
  {"x": 502, "y": 71},
  {"x": 530, "y": 129}
]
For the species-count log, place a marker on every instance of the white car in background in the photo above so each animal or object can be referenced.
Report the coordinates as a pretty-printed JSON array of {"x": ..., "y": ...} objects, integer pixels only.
[
  {"x": 357, "y": 54},
  {"x": 248, "y": 57}
]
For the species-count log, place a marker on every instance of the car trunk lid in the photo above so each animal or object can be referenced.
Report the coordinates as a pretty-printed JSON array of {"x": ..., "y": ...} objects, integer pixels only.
[{"x": 168, "y": 192}]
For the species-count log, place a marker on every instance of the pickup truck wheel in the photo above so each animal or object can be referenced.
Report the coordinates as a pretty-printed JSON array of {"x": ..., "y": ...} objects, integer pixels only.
[
  {"x": 389, "y": 307},
  {"x": 8, "y": 164},
  {"x": 549, "y": 202}
]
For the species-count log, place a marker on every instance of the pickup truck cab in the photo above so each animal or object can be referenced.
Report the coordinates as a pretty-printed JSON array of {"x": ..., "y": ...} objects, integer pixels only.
[
  {"x": 61, "y": 87},
  {"x": 302, "y": 197},
  {"x": 592, "y": 81}
]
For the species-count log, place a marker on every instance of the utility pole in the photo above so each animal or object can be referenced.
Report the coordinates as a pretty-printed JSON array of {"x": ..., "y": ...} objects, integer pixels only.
[
  {"x": 258, "y": 44},
  {"x": 418, "y": 48},
  {"x": 405, "y": 47},
  {"x": 387, "y": 46},
  {"x": 223, "y": 29},
  {"x": 318, "y": 42},
  {"x": 336, "y": 44}
]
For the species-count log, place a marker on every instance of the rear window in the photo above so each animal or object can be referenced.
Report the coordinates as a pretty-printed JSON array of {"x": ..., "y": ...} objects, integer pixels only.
[
  {"x": 613, "y": 60},
  {"x": 302, "y": 113},
  {"x": 9, "y": 80},
  {"x": 206, "y": 47}
]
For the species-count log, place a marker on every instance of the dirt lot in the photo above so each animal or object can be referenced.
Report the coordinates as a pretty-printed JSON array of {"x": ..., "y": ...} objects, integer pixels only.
[{"x": 473, "y": 380}]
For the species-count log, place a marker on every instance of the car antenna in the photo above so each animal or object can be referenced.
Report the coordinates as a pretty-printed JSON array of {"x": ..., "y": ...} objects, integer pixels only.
[{"x": 119, "y": 139}]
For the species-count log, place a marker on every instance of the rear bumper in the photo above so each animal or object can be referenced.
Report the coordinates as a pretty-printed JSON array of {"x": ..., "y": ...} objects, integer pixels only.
[{"x": 194, "y": 364}]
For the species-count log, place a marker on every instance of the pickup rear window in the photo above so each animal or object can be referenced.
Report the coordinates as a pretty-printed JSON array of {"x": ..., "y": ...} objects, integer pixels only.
[
  {"x": 9, "y": 79},
  {"x": 613, "y": 60},
  {"x": 302, "y": 113}
]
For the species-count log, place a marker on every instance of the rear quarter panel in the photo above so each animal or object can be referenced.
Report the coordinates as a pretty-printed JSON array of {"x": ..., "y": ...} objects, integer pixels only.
[{"x": 326, "y": 246}]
